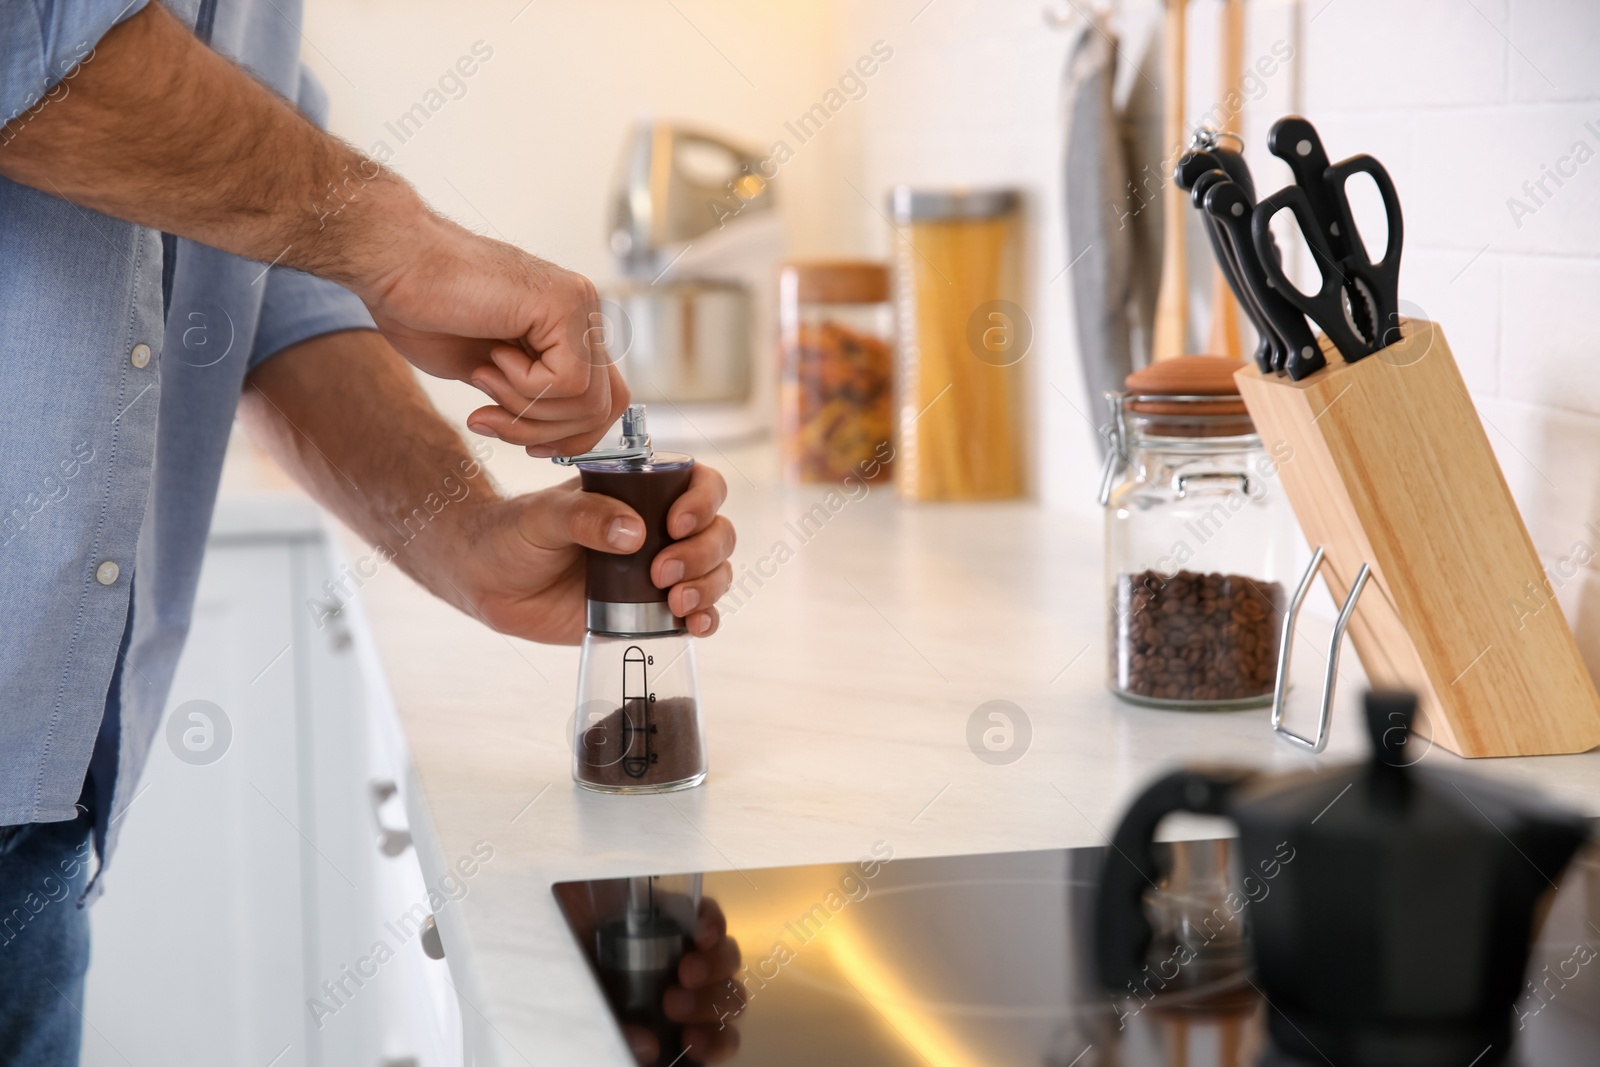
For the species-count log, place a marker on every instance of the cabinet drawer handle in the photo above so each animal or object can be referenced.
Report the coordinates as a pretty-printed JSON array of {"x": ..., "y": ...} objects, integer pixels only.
[
  {"x": 432, "y": 945},
  {"x": 391, "y": 840}
]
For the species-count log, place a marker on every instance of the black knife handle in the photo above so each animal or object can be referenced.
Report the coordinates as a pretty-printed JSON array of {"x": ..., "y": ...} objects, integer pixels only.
[
  {"x": 1295, "y": 141},
  {"x": 1382, "y": 278},
  {"x": 1270, "y": 348},
  {"x": 1325, "y": 307},
  {"x": 1191, "y": 165},
  {"x": 1226, "y": 202},
  {"x": 1237, "y": 169}
]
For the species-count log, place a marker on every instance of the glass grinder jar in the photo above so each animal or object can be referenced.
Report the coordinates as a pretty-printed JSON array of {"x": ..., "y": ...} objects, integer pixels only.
[
  {"x": 637, "y": 727},
  {"x": 1199, "y": 541}
]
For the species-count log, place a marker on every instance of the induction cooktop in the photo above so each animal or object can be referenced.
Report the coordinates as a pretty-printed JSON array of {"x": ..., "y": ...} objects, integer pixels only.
[{"x": 962, "y": 961}]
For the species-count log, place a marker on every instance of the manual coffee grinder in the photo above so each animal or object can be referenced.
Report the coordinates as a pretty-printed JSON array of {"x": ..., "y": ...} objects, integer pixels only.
[
  {"x": 637, "y": 727},
  {"x": 639, "y": 940}
]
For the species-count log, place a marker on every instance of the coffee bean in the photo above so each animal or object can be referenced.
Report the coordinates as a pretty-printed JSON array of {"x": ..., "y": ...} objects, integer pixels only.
[{"x": 1195, "y": 637}]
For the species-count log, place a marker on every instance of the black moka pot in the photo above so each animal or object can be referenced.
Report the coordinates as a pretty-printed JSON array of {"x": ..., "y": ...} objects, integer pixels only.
[{"x": 1393, "y": 909}]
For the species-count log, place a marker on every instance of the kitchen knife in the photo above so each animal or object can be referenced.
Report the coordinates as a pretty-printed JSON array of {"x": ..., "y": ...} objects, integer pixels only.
[
  {"x": 1195, "y": 171},
  {"x": 1268, "y": 345},
  {"x": 1237, "y": 169},
  {"x": 1279, "y": 315},
  {"x": 1226, "y": 202}
]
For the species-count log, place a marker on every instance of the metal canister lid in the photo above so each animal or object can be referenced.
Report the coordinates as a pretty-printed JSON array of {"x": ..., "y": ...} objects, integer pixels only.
[{"x": 944, "y": 205}]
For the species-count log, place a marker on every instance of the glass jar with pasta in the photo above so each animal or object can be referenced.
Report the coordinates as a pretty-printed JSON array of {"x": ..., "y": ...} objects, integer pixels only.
[
  {"x": 836, "y": 391},
  {"x": 962, "y": 338}
]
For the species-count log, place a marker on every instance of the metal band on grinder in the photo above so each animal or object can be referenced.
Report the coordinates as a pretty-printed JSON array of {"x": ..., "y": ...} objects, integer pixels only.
[{"x": 633, "y": 620}]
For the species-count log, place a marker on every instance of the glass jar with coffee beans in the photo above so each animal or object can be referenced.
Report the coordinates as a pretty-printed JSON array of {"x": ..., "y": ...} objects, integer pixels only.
[{"x": 1200, "y": 541}]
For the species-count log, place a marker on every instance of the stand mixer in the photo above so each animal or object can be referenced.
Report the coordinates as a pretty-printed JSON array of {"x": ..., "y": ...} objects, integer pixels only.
[{"x": 694, "y": 237}]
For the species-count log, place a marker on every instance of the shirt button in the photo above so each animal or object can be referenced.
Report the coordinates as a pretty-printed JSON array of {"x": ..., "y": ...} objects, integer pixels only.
[
  {"x": 140, "y": 356},
  {"x": 106, "y": 573}
]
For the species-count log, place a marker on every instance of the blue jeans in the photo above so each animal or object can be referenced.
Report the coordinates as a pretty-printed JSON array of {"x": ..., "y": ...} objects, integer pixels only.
[{"x": 44, "y": 942}]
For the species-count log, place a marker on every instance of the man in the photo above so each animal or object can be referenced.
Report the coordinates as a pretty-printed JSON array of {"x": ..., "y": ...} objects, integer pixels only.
[{"x": 150, "y": 187}]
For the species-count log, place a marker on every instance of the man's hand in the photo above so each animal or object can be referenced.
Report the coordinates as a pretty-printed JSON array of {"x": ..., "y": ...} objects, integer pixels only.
[
  {"x": 705, "y": 1000},
  {"x": 556, "y": 388},
  {"x": 327, "y": 411},
  {"x": 518, "y": 563},
  {"x": 162, "y": 131}
]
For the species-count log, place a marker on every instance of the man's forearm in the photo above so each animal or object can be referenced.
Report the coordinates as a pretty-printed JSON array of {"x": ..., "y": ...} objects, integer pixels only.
[
  {"x": 342, "y": 414},
  {"x": 160, "y": 130}
]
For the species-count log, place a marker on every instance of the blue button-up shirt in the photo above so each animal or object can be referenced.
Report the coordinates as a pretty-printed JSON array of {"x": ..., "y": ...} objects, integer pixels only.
[{"x": 116, "y": 415}]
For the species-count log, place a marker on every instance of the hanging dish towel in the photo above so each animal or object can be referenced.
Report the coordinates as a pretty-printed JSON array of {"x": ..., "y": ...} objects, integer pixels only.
[{"x": 1100, "y": 245}]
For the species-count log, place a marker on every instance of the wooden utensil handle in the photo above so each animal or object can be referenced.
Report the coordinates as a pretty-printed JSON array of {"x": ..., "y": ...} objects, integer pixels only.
[
  {"x": 1169, "y": 337},
  {"x": 1224, "y": 339}
]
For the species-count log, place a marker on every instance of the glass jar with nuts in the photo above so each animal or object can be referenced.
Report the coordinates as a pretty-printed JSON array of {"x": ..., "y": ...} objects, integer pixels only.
[{"x": 1199, "y": 541}]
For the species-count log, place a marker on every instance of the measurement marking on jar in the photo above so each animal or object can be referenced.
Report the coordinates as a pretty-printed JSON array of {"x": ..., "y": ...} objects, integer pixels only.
[{"x": 636, "y": 701}]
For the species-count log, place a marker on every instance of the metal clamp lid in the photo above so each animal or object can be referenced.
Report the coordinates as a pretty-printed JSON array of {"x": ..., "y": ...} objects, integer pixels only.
[
  {"x": 1120, "y": 438},
  {"x": 635, "y": 442}
]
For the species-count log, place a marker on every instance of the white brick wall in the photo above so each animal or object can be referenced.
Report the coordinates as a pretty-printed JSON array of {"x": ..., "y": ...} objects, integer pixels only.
[
  {"x": 1467, "y": 100},
  {"x": 1463, "y": 100}
]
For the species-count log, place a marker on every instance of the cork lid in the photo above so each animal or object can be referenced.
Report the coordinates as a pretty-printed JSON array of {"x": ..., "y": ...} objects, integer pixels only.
[
  {"x": 834, "y": 281},
  {"x": 1183, "y": 389}
]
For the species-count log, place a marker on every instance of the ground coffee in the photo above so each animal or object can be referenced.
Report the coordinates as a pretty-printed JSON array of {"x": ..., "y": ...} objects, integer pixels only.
[
  {"x": 655, "y": 745},
  {"x": 1195, "y": 637}
]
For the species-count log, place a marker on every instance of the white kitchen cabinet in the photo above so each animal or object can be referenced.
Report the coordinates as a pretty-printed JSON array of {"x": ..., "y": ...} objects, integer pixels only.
[{"x": 262, "y": 908}]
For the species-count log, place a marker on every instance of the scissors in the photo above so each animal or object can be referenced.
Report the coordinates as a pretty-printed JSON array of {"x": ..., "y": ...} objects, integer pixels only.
[{"x": 1357, "y": 305}]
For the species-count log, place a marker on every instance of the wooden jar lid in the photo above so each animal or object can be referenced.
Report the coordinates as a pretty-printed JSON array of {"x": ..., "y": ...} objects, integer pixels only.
[
  {"x": 1186, "y": 376},
  {"x": 835, "y": 282},
  {"x": 1190, "y": 381}
]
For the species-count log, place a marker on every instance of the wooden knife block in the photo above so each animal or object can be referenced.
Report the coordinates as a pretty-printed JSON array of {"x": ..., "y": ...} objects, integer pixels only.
[{"x": 1391, "y": 467}]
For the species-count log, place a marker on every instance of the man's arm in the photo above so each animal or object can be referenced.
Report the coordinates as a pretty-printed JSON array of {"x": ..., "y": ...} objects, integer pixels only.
[
  {"x": 343, "y": 415},
  {"x": 158, "y": 129}
]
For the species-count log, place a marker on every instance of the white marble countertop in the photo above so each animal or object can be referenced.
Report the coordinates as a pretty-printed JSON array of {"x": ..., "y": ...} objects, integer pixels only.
[{"x": 836, "y": 703}]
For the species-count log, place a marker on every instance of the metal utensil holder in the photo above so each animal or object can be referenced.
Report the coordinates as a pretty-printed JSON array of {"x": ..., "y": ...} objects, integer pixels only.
[{"x": 1280, "y": 695}]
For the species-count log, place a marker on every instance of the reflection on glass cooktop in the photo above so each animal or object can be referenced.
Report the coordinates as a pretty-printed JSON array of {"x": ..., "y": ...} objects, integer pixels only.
[{"x": 963, "y": 961}]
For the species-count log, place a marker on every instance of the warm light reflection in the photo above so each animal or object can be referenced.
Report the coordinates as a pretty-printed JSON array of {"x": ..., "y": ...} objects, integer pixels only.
[{"x": 880, "y": 987}]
